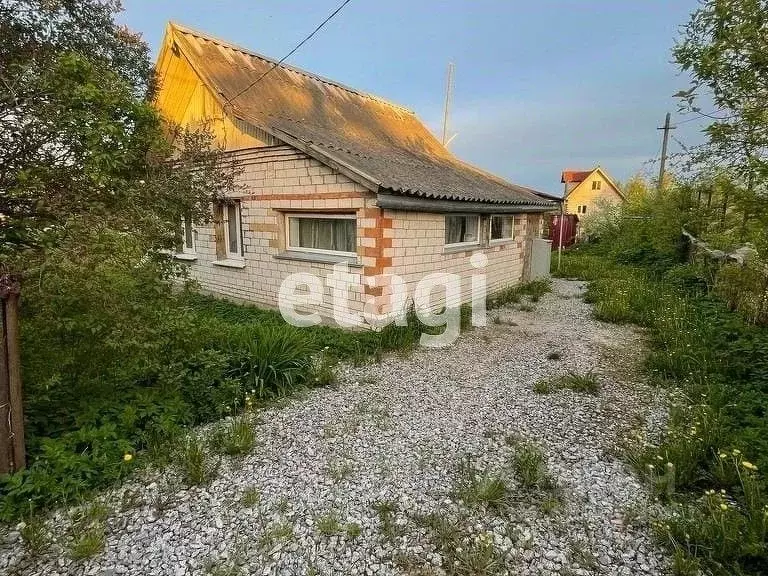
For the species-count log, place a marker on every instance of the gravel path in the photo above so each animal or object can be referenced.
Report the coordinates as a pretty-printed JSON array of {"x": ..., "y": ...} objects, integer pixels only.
[{"x": 362, "y": 479}]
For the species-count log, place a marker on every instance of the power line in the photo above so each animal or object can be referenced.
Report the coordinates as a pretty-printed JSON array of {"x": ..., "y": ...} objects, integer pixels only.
[{"x": 284, "y": 58}]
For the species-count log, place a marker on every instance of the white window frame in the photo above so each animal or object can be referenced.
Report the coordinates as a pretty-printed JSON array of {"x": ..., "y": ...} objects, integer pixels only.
[
  {"x": 191, "y": 250},
  {"x": 318, "y": 216},
  {"x": 460, "y": 244},
  {"x": 225, "y": 209},
  {"x": 491, "y": 239}
]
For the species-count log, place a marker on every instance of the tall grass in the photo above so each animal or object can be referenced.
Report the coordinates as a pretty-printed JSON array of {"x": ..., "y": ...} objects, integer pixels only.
[{"x": 707, "y": 464}]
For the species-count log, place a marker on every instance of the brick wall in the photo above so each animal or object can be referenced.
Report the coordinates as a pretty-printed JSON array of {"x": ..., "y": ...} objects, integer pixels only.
[
  {"x": 418, "y": 248},
  {"x": 279, "y": 179},
  {"x": 273, "y": 181}
]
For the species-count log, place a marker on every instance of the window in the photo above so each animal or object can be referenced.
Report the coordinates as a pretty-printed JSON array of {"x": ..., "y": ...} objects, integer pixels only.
[
  {"x": 502, "y": 228},
  {"x": 232, "y": 229},
  {"x": 188, "y": 233},
  {"x": 581, "y": 209},
  {"x": 596, "y": 184},
  {"x": 461, "y": 230},
  {"x": 228, "y": 229},
  {"x": 323, "y": 233}
]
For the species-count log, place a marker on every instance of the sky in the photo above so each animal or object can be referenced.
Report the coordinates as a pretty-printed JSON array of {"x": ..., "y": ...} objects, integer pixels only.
[{"x": 540, "y": 86}]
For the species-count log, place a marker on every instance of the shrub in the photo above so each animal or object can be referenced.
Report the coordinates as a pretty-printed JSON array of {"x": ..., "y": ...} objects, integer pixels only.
[{"x": 269, "y": 360}]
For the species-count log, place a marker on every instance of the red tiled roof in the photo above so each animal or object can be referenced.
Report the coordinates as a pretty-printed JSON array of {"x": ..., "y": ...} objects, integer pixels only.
[{"x": 575, "y": 175}]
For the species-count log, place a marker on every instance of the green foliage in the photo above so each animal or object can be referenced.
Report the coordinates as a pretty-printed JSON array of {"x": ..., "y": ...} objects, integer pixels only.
[
  {"x": 479, "y": 487},
  {"x": 328, "y": 524},
  {"x": 581, "y": 383},
  {"x": 196, "y": 465},
  {"x": 718, "y": 362},
  {"x": 530, "y": 468},
  {"x": 84, "y": 145},
  {"x": 544, "y": 386},
  {"x": 513, "y": 295},
  {"x": 353, "y": 530},
  {"x": 35, "y": 535},
  {"x": 251, "y": 497},
  {"x": 236, "y": 437},
  {"x": 88, "y": 543},
  {"x": 269, "y": 360},
  {"x": 722, "y": 49}
]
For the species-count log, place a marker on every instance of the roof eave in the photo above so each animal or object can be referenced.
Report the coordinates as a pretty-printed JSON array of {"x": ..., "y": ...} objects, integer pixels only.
[{"x": 397, "y": 201}]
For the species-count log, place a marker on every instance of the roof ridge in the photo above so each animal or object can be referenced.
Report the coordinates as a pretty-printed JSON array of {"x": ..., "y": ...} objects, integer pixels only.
[{"x": 200, "y": 34}]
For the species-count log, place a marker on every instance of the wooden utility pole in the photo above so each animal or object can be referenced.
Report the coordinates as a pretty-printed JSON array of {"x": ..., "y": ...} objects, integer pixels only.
[
  {"x": 12, "y": 449},
  {"x": 664, "y": 143}
]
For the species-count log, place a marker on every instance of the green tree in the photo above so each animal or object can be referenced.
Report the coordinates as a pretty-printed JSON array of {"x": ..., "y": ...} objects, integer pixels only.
[
  {"x": 724, "y": 48},
  {"x": 81, "y": 147}
]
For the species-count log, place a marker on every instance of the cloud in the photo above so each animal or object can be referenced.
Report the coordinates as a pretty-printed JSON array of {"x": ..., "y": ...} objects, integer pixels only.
[{"x": 530, "y": 143}]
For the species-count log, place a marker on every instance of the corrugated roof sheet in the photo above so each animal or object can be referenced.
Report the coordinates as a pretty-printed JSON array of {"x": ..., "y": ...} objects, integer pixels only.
[{"x": 384, "y": 141}]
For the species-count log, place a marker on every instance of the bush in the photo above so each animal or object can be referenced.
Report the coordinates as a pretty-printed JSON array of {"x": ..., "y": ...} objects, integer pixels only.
[{"x": 269, "y": 360}]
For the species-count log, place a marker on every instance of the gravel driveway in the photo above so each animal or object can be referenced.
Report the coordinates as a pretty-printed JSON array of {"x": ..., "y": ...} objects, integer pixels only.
[{"x": 366, "y": 478}]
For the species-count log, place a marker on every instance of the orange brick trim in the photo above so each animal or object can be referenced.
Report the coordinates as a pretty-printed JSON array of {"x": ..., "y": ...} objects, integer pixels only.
[
  {"x": 311, "y": 196},
  {"x": 377, "y": 251}
]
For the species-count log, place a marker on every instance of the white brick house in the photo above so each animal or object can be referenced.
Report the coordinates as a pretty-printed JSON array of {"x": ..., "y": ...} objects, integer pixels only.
[{"x": 328, "y": 175}]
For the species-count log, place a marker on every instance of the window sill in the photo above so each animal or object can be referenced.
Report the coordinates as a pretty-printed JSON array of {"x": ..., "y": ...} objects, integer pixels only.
[
  {"x": 501, "y": 241},
  {"x": 184, "y": 256},
  {"x": 319, "y": 258},
  {"x": 229, "y": 263},
  {"x": 456, "y": 248}
]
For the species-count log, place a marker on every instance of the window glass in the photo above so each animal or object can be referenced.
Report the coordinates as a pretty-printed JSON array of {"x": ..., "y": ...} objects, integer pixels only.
[
  {"x": 323, "y": 234},
  {"x": 233, "y": 229},
  {"x": 502, "y": 227},
  {"x": 189, "y": 238},
  {"x": 461, "y": 229}
]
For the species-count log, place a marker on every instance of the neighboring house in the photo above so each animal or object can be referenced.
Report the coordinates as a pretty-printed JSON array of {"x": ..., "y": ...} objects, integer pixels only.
[
  {"x": 330, "y": 174},
  {"x": 588, "y": 190}
]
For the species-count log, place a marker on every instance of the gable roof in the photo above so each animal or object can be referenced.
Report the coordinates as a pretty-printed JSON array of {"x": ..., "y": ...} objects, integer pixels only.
[{"x": 381, "y": 145}]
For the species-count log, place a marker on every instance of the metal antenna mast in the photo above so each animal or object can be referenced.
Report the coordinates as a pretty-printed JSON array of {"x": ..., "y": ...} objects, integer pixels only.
[{"x": 448, "y": 99}]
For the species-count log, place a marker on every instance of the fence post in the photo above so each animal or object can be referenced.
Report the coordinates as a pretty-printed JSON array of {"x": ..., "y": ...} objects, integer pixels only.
[{"x": 12, "y": 448}]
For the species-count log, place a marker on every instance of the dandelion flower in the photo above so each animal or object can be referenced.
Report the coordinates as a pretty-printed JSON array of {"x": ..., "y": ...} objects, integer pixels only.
[
  {"x": 723, "y": 506},
  {"x": 127, "y": 457},
  {"x": 749, "y": 465}
]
